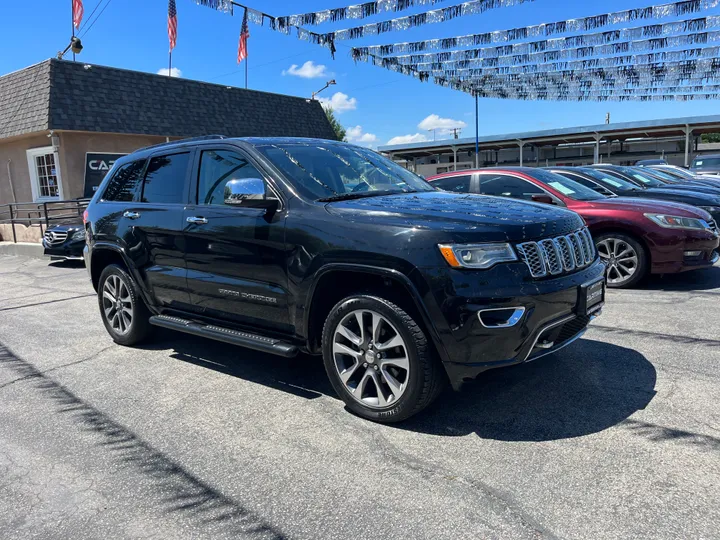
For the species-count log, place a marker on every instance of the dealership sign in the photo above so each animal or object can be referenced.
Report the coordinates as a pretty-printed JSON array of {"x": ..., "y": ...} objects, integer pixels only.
[{"x": 96, "y": 167}]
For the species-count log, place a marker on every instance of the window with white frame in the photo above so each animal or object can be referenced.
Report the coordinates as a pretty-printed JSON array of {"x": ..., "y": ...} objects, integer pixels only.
[{"x": 44, "y": 173}]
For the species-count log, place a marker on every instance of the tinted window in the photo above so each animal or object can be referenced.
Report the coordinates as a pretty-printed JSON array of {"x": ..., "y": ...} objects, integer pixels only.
[
  {"x": 502, "y": 185},
  {"x": 459, "y": 184},
  {"x": 567, "y": 187},
  {"x": 121, "y": 186},
  {"x": 610, "y": 180},
  {"x": 217, "y": 168},
  {"x": 706, "y": 163},
  {"x": 579, "y": 179},
  {"x": 165, "y": 179},
  {"x": 326, "y": 169}
]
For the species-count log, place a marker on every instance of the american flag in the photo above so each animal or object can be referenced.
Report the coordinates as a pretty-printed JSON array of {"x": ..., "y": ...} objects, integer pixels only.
[
  {"x": 172, "y": 24},
  {"x": 77, "y": 12},
  {"x": 244, "y": 35}
]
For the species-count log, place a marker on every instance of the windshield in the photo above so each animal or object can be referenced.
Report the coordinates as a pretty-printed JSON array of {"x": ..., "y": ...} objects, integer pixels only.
[
  {"x": 677, "y": 173},
  {"x": 569, "y": 188},
  {"x": 327, "y": 170},
  {"x": 643, "y": 179},
  {"x": 660, "y": 175},
  {"x": 706, "y": 163},
  {"x": 612, "y": 182}
]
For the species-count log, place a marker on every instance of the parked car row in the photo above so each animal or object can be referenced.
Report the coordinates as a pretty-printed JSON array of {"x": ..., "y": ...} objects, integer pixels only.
[{"x": 643, "y": 220}]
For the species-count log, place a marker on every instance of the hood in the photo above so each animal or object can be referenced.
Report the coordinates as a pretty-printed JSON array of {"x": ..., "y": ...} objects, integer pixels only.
[
  {"x": 650, "y": 206},
  {"x": 684, "y": 196},
  {"x": 490, "y": 218},
  {"x": 695, "y": 186},
  {"x": 67, "y": 227}
]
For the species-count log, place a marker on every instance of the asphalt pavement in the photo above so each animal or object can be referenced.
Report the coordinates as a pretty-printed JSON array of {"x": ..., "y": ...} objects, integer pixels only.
[{"x": 617, "y": 436}]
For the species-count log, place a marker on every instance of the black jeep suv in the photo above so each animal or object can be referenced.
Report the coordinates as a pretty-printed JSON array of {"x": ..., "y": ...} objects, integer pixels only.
[{"x": 288, "y": 245}]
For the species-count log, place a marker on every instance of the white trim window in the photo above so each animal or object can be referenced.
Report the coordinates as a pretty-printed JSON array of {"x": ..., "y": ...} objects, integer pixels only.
[{"x": 44, "y": 168}]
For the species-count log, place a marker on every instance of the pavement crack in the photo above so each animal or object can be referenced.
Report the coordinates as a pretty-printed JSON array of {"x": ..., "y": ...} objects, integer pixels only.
[{"x": 47, "y": 302}]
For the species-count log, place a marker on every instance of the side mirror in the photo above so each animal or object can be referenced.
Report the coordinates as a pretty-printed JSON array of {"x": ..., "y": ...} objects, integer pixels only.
[
  {"x": 247, "y": 192},
  {"x": 543, "y": 198}
]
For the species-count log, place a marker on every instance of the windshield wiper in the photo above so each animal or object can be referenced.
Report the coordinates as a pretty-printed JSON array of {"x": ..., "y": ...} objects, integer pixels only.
[{"x": 360, "y": 195}]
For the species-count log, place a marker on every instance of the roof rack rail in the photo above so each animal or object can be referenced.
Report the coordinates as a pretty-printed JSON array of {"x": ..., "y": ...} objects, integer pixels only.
[{"x": 189, "y": 139}]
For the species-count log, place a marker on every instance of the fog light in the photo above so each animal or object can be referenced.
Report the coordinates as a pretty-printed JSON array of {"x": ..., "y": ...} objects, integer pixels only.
[{"x": 693, "y": 253}]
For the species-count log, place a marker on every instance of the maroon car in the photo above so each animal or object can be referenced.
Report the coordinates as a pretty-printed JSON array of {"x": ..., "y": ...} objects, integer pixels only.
[{"x": 633, "y": 236}]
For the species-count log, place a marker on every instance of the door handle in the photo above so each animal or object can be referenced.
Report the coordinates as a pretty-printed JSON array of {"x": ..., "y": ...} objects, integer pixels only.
[
  {"x": 197, "y": 220},
  {"x": 131, "y": 215}
]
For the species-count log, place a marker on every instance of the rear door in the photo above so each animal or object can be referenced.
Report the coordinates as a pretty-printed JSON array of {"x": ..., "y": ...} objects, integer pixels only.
[
  {"x": 154, "y": 228},
  {"x": 235, "y": 255}
]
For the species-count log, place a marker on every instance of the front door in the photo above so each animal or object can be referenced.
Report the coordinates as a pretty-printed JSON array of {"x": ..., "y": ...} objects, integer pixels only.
[
  {"x": 235, "y": 255},
  {"x": 153, "y": 229}
]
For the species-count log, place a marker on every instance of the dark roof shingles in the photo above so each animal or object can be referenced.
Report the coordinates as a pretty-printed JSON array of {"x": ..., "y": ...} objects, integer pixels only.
[
  {"x": 107, "y": 99},
  {"x": 24, "y": 99}
]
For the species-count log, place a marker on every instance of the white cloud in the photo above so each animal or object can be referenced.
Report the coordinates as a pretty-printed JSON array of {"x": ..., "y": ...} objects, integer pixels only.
[
  {"x": 309, "y": 70},
  {"x": 444, "y": 125},
  {"x": 175, "y": 72},
  {"x": 357, "y": 135},
  {"x": 339, "y": 103},
  {"x": 406, "y": 139}
]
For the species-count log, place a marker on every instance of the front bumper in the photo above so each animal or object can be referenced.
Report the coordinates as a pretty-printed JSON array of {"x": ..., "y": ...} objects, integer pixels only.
[
  {"x": 671, "y": 258},
  {"x": 554, "y": 316},
  {"x": 70, "y": 250}
]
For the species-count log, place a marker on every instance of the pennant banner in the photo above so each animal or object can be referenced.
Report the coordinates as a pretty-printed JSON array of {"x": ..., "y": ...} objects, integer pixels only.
[
  {"x": 225, "y": 6},
  {"x": 477, "y": 69},
  {"x": 583, "y": 24},
  {"x": 628, "y": 40},
  {"x": 358, "y": 11},
  {"x": 506, "y": 36},
  {"x": 368, "y": 9}
]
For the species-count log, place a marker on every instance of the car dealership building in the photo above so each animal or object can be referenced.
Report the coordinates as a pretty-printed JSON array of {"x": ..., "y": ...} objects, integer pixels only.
[
  {"x": 676, "y": 140},
  {"x": 62, "y": 123}
]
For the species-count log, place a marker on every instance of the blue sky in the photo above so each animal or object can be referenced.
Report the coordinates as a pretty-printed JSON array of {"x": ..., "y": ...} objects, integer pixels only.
[{"x": 380, "y": 105}]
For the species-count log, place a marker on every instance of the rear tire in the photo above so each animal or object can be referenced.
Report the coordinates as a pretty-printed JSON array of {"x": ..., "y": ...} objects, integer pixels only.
[
  {"x": 625, "y": 258},
  {"x": 379, "y": 360},
  {"x": 123, "y": 311}
]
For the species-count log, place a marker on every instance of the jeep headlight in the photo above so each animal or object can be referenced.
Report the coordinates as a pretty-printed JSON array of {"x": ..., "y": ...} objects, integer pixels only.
[
  {"x": 478, "y": 256},
  {"x": 78, "y": 235},
  {"x": 678, "y": 222}
]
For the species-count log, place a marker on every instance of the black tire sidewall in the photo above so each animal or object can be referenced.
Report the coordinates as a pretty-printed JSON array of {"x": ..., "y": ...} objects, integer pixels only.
[
  {"x": 406, "y": 405},
  {"x": 139, "y": 327},
  {"x": 642, "y": 268}
]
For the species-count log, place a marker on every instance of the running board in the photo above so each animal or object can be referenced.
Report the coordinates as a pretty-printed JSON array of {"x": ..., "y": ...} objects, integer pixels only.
[{"x": 234, "y": 337}]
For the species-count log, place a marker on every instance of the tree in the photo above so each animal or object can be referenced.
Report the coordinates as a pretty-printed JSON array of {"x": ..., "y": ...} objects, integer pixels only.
[
  {"x": 711, "y": 138},
  {"x": 337, "y": 126}
]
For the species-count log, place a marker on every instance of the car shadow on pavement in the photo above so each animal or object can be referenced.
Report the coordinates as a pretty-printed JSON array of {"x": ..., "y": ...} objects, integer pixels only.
[
  {"x": 583, "y": 389},
  {"x": 64, "y": 263},
  {"x": 303, "y": 376},
  {"x": 697, "y": 280}
]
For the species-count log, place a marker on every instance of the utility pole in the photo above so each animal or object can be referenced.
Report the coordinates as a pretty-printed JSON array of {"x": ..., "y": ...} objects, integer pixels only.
[
  {"x": 456, "y": 132},
  {"x": 607, "y": 118}
]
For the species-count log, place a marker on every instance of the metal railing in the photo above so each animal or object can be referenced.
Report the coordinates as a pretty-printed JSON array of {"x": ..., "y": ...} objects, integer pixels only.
[{"x": 44, "y": 214}]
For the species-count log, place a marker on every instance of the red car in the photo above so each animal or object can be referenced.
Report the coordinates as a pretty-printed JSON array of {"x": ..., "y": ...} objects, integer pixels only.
[{"x": 633, "y": 236}]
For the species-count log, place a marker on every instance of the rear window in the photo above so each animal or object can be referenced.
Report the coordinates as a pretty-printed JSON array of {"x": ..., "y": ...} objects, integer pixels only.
[
  {"x": 165, "y": 179},
  {"x": 706, "y": 163},
  {"x": 122, "y": 185}
]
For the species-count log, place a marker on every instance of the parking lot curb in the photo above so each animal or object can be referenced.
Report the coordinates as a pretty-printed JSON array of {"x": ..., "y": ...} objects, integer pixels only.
[{"x": 25, "y": 249}]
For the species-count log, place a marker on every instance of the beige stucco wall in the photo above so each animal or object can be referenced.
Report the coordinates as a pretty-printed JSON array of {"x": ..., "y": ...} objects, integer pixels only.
[
  {"x": 71, "y": 162},
  {"x": 14, "y": 150},
  {"x": 74, "y": 146}
]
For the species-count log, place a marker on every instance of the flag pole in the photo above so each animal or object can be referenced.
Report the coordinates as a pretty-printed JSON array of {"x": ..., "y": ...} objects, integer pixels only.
[
  {"x": 72, "y": 23},
  {"x": 170, "y": 63},
  {"x": 246, "y": 68},
  {"x": 477, "y": 133}
]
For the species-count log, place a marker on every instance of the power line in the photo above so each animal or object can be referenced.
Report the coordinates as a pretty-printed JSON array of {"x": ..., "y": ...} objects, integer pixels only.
[
  {"x": 260, "y": 65},
  {"x": 82, "y": 27},
  {"x": 96, "y": 19}
]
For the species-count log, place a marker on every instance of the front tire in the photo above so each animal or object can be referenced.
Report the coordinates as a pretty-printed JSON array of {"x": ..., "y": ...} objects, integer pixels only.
[
  {"x": 123, "y": 311},
  {"x": 625, "y": 259},
  {"x": 379, "y": 360}
]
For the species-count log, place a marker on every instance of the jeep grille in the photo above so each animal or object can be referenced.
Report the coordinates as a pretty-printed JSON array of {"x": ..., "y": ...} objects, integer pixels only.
[{"x": 555, "y": 256}]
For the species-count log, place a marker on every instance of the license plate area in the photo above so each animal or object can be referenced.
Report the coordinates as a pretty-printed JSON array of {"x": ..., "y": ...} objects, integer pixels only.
[{"x": 591, "y": 297}]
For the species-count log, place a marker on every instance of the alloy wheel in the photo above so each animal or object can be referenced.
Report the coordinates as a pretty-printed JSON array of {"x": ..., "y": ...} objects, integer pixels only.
[
  {"x": 620, "y": 258},
  {"x": 371, "y": 358},
  {"x": 117, "y": 304}
]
